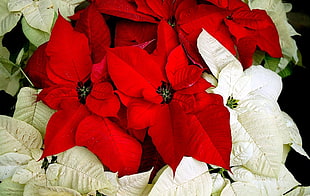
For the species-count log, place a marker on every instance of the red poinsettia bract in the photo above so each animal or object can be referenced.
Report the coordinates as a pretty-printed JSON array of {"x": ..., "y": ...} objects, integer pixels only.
[
  {"x": 168, "y": 96},
  {"x": 233, "y": 24},
  {"x": 237, "y": 27},
  {"x": 81, "y": 95}
]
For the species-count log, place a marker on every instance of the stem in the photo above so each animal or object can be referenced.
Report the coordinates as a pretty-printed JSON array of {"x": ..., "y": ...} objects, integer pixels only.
[{"x": 28, "y": 79}]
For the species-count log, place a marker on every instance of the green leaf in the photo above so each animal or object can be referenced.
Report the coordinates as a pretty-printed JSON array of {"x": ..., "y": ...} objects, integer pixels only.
[
  {"x": 31, "y": 111},
  {"x": 4, "y": 53},
  {"x": 18, "y": 136},
  {"x": 287, "y": 71},
  {"x": 8, "y": 187},
  {"x": 271, "y": 63},
  {"x": 8, "y": 20},
  {"x": 9, "y": 76}
]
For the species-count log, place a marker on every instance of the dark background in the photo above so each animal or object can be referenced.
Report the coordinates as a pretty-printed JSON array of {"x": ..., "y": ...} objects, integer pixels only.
[
  {"x": 295, "y": 96},
  {"x": 294, "y": 99}
]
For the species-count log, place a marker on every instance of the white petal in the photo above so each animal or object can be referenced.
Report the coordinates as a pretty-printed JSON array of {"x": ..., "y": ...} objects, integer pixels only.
[
  {"x": 191, "y": 178},
  {"x": 133, "y": 184},
  {"x": 9, "y": 162},
  {"x": 264, "y": 82},
  {"x": 214, "y": 53}
]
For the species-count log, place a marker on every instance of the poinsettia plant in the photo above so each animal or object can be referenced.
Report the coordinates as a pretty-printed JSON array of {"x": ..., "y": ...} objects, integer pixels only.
[{"x": 147, "y": 97}]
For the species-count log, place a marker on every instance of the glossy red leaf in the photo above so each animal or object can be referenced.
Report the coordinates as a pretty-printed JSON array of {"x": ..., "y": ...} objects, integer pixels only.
[
  {"x": 36, "y": 68},
  {"x": 93, "y": 25},
  {"x": 69, "y": 54},
  {"x": 61, "y": 129},
  {"x": 116, "y": 149}
]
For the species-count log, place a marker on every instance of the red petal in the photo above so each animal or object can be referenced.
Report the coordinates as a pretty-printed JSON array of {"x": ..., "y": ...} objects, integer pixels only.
[
  {"x": 69, "y": 54},
  {"x": 167, "y": 40},
  {"x": 122, "y": 9},
  {"x": 117, "y": 150},
  {"x": 186, "y": 101},
  {"x": 208, "y": 17},
  {"x": 168, "y": 133},
  {"x": 135, "y": 72},
  {"x": 56, "y": 95},
  {"x": 163, "y": 9},
  {"x": 36, "y": 68},
  {"x": 219, "y": 3},
  {"x": 100, "y": 71},
  {"x": 200, "y": 86},
  {"x": 251, "y": 29},
  {"x": 246, "y": 49},
  {"x": 128, "y": 33},
  {"x": 211, "y": 141},
  {"x": 139, "y": 134},
  {"x": 92, "y": 24},
  {"x": 144, "y": 8},
  {"x": 61, "y": 128},
  {"x": 150, "y": 159},
  {"x": 102, "y": 101},
  {"x": 141, "y": 113},
  {"x": 180, "y": 74}
]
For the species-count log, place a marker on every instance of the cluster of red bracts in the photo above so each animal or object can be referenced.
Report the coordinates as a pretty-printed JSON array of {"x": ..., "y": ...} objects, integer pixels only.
[{"x": 125, "y": 80}]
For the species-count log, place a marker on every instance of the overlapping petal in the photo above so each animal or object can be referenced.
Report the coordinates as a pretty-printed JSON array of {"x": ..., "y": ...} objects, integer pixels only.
[
  {"x": 116, "y": 149},
  {"x": 69, "y": 54}
]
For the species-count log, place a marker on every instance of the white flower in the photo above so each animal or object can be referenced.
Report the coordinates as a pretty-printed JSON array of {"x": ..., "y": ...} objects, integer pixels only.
[{"x": 257, "y": 123}]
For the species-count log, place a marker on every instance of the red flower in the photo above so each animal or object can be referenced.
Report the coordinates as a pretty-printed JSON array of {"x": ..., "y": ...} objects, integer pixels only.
[
  {"x": 74, "y": 94},
  {"x": 236, "y": 25},
  {"x": 163, "y": 92}
]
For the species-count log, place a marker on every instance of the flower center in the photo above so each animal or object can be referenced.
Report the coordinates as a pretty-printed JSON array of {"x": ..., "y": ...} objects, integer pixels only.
[
  {"x": 172, "y": 21},
  {"x": 231, "y": 102},
  {"x": 166, "y": 91},
  {"x": 83, "y": 89}
]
